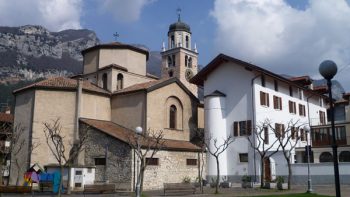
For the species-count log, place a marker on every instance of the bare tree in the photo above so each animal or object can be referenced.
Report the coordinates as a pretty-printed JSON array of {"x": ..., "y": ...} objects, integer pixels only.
[
  {"x": 215, "y": 149},
  {"x": 57, "y": 145},
  {"x": 145, "y": 145},
  {"x": 16, "y": 145},
  {"x": 288, "y": 139},
  {"x": 259, "y": 141},
  {"x": 198, "y": 139}
]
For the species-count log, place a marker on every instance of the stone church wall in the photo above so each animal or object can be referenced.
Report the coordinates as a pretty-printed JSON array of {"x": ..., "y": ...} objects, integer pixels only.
[{"x": 118, "y": 168}]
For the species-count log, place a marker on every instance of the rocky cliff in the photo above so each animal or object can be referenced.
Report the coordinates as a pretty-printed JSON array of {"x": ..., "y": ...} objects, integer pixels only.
[{"x": 37, "y": 49}]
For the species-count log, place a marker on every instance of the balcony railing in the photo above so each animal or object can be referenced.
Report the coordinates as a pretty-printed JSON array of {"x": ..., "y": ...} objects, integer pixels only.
[{"x": 322, "y": 136}]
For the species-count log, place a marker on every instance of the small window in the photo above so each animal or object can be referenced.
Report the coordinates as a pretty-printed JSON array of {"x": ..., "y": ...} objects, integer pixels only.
[
  {"x": 302, "y": 135},
  {"x": 172, "y": 41},
  {"x": 78, "y": 172},
  {"x": 266, "y": 135},
  {"x": 263, "y": 81},
  {"x": 152, "y": 161},
  {"x": 171, "y": 73},
  {"x": 243, "y": 157},
  {"x": 294, "y": 132},
  {"x": 322, "y": 117},
  {"x": 190, "y": 62},
  {"x": 77, "y": 185},
  {"x": 264, "y": 98},
  {"x": 276, "y": 85},
  {"x": 279, "y": 130},
  {"x": 292, "y": 107},
  {"x": 186, "y": 61},
  {"x": 277, "y": 102},
  {"x": 291, "y": 91},
  {"x": 344, "y": 156},
  {"x": 104, "y": 81},
  {"x": 187, "y": 42},
  {"x": 326, "y": 157},
  {"x": 120, "y": 82},
  {"x": 100, "y": 161},
  {"x": 242, "y": 128},
  {"x": 169, "y": 61},
  {"x": 172, "y": 117},
  {"x": 302, "y": 111},
  {"x": 191, "y": 162},
  {"x": 173, "y": 60}
]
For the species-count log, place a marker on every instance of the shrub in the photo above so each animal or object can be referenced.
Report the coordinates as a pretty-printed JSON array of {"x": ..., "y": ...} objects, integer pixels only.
[
  {"x": 246, "y": 178},
  {"x": 186, "y": 179}
]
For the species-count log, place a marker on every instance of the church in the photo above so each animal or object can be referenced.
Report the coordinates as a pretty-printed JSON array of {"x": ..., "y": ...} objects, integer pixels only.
[{"x": 112, "y": 97}]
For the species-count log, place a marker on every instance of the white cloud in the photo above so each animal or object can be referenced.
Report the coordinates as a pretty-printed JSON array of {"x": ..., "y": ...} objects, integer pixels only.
[
  {"x": 272, "y": 34},
  {"x": 125, "y": 10},
  {"x": 54, "y": 14}
]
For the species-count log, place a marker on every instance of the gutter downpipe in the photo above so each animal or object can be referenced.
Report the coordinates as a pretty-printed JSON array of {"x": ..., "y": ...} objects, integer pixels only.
[
  {"x": 253, "y": 106},
  {"x": 78, "y": 107}
]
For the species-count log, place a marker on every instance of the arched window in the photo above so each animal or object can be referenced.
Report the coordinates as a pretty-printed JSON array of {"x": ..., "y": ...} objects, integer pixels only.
[
  {"x": 173, "y": 60},
  {"x": 172, "y": 41},
  {"x": 190, "y": 62},
  {"x": 186, "y": 60},
  {"x": 104, "y": 81},
  {"x": 120, "y": 78},
  {"x": 344, "y": 156},
  {"x": 187, "y": 42},
  {"x": 169, "y": 61},
  {"x": 326, "y": 157},
  {"x": 172, "y": 117},
  {"x": 171, "y": 74}
]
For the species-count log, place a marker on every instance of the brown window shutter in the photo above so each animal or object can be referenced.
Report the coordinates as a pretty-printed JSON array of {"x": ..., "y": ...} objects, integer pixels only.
[
  {"x": 300, "y": 110},
  {"x": 267, "y": 100},
  {"x": 283, "y": 132},
  {"x": 294, "y": 107},
  {"x": 235, "y": 128},
  {"x": 281, "y": 103},
  {"x": 274, "y": 102},
  {"x": 262, "y": 98},
  {"x": 249, "y": 127}
]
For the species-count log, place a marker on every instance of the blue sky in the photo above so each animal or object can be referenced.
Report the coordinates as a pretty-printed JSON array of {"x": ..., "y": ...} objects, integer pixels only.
[{"x": 285, "y": 36}]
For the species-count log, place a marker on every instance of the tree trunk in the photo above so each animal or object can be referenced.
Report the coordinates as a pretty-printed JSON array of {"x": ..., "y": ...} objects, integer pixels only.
[
  {"x": 217, "y": 176},
  {"x": 289, "y": 174},
  {"x": 262, "y": 173},
  {"x": 68, "y": 183},
  {"x": 61, "y": 181},
  {"x": 18, "y": 172},
  {"x": 1, "y": 164},
  {"x": 201, "y": 172},
  {"x": 142, "y": 173}
]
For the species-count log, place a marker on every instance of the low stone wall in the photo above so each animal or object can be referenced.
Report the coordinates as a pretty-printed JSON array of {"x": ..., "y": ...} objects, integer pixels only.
[{"x": 172, "y": 168}]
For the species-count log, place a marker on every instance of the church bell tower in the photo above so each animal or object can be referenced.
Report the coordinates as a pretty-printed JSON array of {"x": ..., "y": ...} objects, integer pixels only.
[{"x": 179, "y": 59}]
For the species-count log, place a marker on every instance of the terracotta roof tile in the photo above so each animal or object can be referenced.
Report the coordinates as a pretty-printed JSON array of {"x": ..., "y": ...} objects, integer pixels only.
[
  {"x": 63, "y": 83},
  {"x": 140, "y": 86},
  {"x": 123, "y": 134},
  {"x": 4, "y": 117}
]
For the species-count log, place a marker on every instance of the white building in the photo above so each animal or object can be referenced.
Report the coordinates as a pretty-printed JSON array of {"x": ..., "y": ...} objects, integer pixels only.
[{"x": 240, "y": 96}]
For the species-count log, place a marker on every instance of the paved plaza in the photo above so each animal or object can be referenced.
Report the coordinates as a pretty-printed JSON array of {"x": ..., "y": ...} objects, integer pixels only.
[{"x": 208, "y": 192}]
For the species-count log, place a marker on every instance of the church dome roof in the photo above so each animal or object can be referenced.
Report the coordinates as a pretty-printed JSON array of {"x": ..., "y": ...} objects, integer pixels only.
[{"x": 179, "y": 26}]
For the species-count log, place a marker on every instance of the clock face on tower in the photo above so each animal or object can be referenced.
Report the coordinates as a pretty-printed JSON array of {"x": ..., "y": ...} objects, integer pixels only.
[{"x": 188, "y": 74}]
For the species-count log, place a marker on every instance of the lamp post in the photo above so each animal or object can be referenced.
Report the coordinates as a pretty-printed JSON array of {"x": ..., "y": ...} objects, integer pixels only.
[
  {"x": 138, "y": 183},
  {"x": 328, "y": 69},
  {"x": 309, "y": 185}
]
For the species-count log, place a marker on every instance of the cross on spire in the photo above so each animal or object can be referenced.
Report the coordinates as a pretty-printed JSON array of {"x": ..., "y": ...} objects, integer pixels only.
[
  {"x": 116, "y": 36},
  {"x": 178, "y": 11}
]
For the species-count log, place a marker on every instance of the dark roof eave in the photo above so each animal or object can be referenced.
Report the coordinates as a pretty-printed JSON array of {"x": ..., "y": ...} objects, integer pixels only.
[{"x": 201, "y": 76}]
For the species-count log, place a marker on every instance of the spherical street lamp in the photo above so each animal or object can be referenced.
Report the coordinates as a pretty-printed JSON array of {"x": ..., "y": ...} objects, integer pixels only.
[
  {"x": 328, "y": 69},
  {"x": 138, "y": 130}
]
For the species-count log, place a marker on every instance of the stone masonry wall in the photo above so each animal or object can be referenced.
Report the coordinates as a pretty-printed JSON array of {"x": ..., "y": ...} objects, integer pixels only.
[
  {"x": 118, "y": 167},
  {"x": 172, "y": 168}
]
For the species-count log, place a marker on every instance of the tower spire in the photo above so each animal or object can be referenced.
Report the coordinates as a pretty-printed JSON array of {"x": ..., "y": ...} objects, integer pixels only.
[{"x": 178, "y": 10}]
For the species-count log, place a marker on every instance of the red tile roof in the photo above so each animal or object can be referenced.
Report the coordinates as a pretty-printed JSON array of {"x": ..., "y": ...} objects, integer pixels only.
[
  {"x": 304, "y": 80},
  {"x": 124, "y": 134},
  {"x": 140, "y": 86},
  {"x": 63, "y": 83},
  {"x": 4, "y": 117}
]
